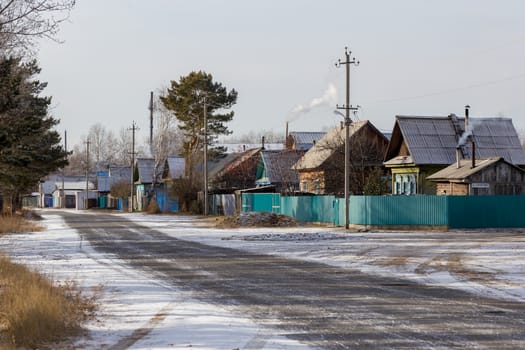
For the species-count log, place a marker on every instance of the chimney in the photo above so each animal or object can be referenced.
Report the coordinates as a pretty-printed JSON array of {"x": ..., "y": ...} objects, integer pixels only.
[
  {"x": 467, "y": 107},
  {"x": 473, "y": 155},
  {"x": 262, "y": 141},
  {"x": 458, "y": 156}
]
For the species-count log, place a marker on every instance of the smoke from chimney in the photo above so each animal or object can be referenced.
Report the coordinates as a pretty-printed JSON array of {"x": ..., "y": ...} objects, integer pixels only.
[
  {"x": 328, "y": 98},
  {"x": 469, "y": 128}
]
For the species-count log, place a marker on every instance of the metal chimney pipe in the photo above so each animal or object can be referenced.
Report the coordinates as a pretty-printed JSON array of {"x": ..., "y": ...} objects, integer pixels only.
[
  {"x": 286, "y": 135},
  {"x": 458, "y": 156},
  {"x": 467, "y": 107},
  {"x": 473, "y": 154}
]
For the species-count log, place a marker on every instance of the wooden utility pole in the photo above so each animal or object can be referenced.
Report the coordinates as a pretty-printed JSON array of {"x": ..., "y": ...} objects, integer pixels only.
[
  {"x": 151, "y": 122},
  {"x": 205, "y": 159},
  {"x": 133, "y": 129},
  {"x": 87, "y": 174},
  {"x": 63, "y": 194},
  {"x": 347, "y": 107}
]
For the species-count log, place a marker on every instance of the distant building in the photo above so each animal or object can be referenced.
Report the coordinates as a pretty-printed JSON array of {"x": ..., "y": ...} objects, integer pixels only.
[{"x": 303, "y": 140}]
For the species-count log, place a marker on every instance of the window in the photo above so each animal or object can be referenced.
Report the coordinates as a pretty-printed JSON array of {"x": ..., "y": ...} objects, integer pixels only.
[
  {"x": 317, "y": 186},
  {"x": 304, "y": 186}
]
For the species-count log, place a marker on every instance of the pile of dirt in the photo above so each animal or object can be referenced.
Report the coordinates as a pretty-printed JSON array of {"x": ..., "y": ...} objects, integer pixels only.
[{"x": 259, "y": 219}]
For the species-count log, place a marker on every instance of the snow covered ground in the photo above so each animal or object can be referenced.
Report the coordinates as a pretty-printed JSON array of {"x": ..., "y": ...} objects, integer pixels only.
[{"x": 138, "y": 312}]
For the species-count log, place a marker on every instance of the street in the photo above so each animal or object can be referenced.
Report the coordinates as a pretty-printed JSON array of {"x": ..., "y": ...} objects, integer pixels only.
[{"x": 320, "y": 305}]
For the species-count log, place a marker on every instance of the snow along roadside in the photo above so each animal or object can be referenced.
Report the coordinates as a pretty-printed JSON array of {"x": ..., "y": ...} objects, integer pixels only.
[{"x": 136, "y": 311}]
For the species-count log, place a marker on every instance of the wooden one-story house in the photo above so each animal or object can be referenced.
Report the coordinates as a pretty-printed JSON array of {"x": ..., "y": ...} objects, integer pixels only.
[
  {"x": 147, "y": 177},
  {"x": 234, "y": 171},
  {"x": 488, "y": 176},
  {"x": 321, "y": 169},
  {"x": 421, "y": 146},
  {"x": 276, "y": 168}
]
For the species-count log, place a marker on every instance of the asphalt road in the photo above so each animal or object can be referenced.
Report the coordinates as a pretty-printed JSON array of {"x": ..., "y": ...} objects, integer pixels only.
[{"x": 320, "y": 305}]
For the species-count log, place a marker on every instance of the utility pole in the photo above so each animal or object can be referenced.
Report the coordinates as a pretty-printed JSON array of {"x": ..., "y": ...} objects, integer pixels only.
[
  {"x": 205, "y": 159},
  {"x": 63, "y": 204},
  {"x": 151, "y": 122},
  {"x": 347, "y": 107},
  {"x": 87, "y": 174},
  {"x": 133, "y": 129}
]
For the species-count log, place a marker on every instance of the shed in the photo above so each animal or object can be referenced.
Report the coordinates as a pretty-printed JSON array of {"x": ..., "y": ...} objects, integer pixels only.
[{"x": 488, "y": 176}]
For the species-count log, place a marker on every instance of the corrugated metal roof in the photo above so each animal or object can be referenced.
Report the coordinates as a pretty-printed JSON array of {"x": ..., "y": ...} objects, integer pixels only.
[
  {"x": 304, "y": 140},
  {"x": 278, "y": 165},
  {"x": 325, "y": 147},
  {"x": 433, "y": 140},
  {"x": 452, "y": 172}
]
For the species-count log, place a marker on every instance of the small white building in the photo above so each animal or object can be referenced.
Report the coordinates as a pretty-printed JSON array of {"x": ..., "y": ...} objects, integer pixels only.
[{"x": 75, "y": 194}]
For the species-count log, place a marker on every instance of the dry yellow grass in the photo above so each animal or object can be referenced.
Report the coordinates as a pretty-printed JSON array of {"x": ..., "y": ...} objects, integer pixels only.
[
  {"x": 34, "y": 312},
  {"x": 17, "y": 224}
]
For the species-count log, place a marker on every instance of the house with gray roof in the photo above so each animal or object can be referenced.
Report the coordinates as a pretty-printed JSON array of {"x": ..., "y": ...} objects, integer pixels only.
[
  {"x": 421, "y": 146},
  {"x": 147, "y": 177},
  {"x": 276, "y": 168},
  {"x": 303, "y": 140},
  {"x": 321, "y": 169},
  {"x": 174, "y": 168},
  {"x": 235, "y": 171}
]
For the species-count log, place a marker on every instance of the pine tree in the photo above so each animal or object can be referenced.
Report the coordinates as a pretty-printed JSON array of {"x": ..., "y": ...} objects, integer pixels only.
[
  {"x": 186, "y": 99},
  {"x": 29, "y": 146}
]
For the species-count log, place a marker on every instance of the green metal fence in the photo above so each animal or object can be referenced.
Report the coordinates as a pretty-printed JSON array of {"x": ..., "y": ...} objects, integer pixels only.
[
  {"x": 310, "y": 208},
  {"x": 486, "y": 211},
  {"x": 270, "y": 202},
  {"x": 395, "y": 211},
  {"x": 399, "y": 210}
]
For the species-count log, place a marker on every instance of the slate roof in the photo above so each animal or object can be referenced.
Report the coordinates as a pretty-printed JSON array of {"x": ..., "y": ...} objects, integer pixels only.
[
  {"x": 145, "y": 168},
  {"x": 452, "y": 172},
  {"x": 121, "y": 172},
  {"x": 114, "y": 175},
  {"x": 324, "y": 148},
  {"x": 219, "y": 166},
  {"x": 433, "y": 140},
  {"x": 175, "y": 167},
  {"x": 278, "y": 166}
]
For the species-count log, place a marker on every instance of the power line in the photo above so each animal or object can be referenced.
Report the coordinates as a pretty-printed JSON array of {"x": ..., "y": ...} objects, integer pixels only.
[{"x": 451, "y": 90}]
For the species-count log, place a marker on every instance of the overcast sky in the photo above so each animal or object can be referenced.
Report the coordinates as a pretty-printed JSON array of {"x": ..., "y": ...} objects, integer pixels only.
[{"x": 416, "y": 58}]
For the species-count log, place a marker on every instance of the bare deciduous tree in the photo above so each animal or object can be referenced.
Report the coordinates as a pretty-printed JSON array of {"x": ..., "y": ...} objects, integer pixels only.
[{"x": 24, "y": 21}]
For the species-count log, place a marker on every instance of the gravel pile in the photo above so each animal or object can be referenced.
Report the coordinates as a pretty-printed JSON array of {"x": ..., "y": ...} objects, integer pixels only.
[{"x": 265, "y": 219}]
